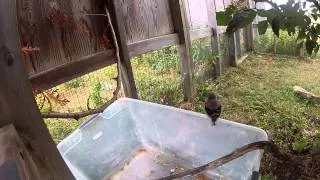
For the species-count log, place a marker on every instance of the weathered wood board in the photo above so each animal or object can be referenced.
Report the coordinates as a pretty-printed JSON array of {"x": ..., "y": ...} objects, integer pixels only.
[
  {"x": 145, "y": 19},
  {"x": 61, "y": 30},
  {"x": 198, "y": 14}
]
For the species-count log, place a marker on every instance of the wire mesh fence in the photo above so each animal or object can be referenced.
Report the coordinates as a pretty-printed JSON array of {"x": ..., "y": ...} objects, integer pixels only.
[
  {"x": 83, "y": 93},
  {"x": 157, "y": 76},
  {"x": 80, "y": 94}
]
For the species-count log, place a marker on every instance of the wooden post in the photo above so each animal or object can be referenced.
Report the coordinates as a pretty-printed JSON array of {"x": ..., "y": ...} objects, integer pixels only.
[
  {"x": 249, "y": 31},
  {"x": 17, "y": 104},
  {"x": 182, "y": 27},
  {"x": 215, "y": 43},
  {"x": 215, "y": 39},
  {"x": 232, "y": 48},
  {"x": 249, "y": 37},
  {"x": 127, "y": 76}
]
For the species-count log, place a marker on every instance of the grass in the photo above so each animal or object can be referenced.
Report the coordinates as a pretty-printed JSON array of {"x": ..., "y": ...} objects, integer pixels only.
[{"x": 259, "y": 93}]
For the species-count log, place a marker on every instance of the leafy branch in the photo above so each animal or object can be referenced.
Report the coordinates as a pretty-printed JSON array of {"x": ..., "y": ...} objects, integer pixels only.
[{"x": 291, "y": 17}]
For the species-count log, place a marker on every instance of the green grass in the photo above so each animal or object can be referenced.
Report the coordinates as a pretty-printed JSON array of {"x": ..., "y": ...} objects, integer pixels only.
[{"x": 260, "y": 93}]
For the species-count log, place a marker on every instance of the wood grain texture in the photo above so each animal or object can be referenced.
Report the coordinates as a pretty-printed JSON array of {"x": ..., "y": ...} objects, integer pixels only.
[
  {"x": 181, "y": 26},
  {"x": 145, "y": 19},
  {"x": 71, "y": 70},
  {"x": 61, "y": 29},
  {"x": 17, "y": 105},
  {"x": 197, "y": 10},
  {"x": 153, "y": 44},
  {"x": 127, "y": 77}
]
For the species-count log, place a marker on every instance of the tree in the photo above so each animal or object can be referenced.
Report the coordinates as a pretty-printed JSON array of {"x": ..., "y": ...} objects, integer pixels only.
[{"x": 291, "y": 17}]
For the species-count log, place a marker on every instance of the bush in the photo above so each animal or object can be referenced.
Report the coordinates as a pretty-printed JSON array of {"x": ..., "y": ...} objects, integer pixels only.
[{"x": 285, "y": 44}]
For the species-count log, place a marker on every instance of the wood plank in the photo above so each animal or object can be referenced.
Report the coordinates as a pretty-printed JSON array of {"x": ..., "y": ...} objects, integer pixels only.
[
  {"x": 62, "y": 31},
  {"x": 17, "y": 105},
  {"x": 201, "y": 33},
  {"x": 198, "y": 13},
  {"x": 127, "y": 76},
  {"x": 145, "y": 19},
  {"x": 181, "y": 26},
  {"x": 15, "y": 156},
  {"x": 55, "y": 76},
  {"x": 153, "y": 44}
]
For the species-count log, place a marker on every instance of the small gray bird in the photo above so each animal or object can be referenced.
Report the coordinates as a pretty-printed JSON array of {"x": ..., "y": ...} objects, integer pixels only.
[{"x": 213, "y": 108}]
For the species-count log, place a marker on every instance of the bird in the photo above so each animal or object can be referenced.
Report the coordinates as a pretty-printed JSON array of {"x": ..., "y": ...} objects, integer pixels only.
[{"x": 213, "y": 108}]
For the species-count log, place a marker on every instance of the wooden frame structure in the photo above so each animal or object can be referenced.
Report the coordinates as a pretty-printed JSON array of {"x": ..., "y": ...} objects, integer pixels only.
[{"x": 68, "y": 41}]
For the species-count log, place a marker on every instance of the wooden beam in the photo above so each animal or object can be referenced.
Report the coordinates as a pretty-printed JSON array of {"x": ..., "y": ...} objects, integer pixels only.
[
  {"x": 232, "y": 49},
  {"x": 201, "y": 33},
  {"x": 127, "y": 76},
  {"x": 17, "y": 105},
  {"x": 141, "y": 47},
  {"x": 55, "y": 76},
  {"x": 182, "y": 27}
]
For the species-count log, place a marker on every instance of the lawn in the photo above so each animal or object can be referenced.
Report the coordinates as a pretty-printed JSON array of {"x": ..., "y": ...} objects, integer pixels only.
[{"x": 260, "y": 93}]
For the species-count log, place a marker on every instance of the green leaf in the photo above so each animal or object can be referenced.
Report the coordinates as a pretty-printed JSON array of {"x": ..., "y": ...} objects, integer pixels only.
[
  {"x": 300, "y": 145},
  {"x": 262, "y": 27},
  {"x": 222, "y": 18},
  {"x": 310, "y": 45},
  {"x": 241, "y": 19},
  {"x": 315, "y": 16},
  {"x": 275, "y": 25},
  {"x": 271, "y": 13}
]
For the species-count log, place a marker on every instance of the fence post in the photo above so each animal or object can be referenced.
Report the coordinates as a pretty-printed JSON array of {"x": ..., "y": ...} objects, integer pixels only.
[
  {"x": 215, "y": 43},
  {"x": 215, "y": 39},
  {"x": 17, "y": 104},
  {"x": 249, "y": 33},
  {"x": 232, "y": 48},
  {"x": 182, "y": 27},
  {"x": 127, "y": 76}
]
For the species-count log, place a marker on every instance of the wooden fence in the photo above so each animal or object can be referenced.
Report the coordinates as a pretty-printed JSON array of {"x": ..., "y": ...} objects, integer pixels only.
[{"x": 70, "y": 41}]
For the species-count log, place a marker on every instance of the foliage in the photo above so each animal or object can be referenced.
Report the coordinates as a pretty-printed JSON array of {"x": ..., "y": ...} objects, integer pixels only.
[
  {"x": 162, "y": 60},
  {"x": 202, "y": 51},
  {"x": 158, "y": 82},
  {"x": 285, "y": 44},
  {"x": 300, "y": 145},
  {"x": 74, "y": 83},
  {"x": 259, "y": 93},
  {"x": 60, "y": 129},
  {"x": 287, "y": 17},
  {"x": 95, "y": 94}
]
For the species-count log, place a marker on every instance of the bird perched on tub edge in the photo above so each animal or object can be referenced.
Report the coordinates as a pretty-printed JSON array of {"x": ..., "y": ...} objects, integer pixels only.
[{"x": 213, "y": 108}]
